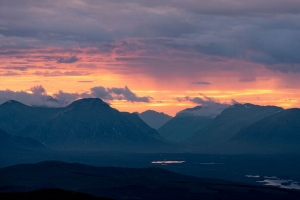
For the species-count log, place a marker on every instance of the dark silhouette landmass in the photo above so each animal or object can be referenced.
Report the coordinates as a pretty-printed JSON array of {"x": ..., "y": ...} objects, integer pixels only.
[
  {"x": 86, "y": 124},
  {"x": 129, "y": 183}
]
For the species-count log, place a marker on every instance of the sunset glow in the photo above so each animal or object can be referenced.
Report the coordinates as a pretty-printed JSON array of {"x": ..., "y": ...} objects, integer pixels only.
[{"x": 158, "y": 51}]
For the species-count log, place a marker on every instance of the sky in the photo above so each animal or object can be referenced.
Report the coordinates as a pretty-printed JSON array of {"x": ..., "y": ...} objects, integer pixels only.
[{"x": 163, "y": 55}]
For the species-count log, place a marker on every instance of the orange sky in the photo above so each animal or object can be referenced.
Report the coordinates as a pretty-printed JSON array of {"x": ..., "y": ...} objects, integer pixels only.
[
  {"x": 141, "y": 55},
  {"x": 259, "y": 86}
]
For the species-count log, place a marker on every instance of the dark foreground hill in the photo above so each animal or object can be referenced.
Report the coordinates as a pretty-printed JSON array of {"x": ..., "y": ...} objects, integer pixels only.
[
  {"x": 86, "y": 124},
  {"x": 129, "y": 183},
  {"x": 154, "y": 119},
  {"x": 50, "y": 193}
]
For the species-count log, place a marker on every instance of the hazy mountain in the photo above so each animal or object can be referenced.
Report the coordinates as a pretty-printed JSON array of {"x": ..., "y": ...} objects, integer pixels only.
[
  {"x": 154, "y": 119},
  {"x": 226, "y": 125},
  {"x": 19, "y": 119},
  {"x": 10, "y": 142},
  {"x": 184, "y": 124},
  {"x": 130, "y": 183},
  {"x": 84, "y": 124},
  {"x": 279, "y": 132}
]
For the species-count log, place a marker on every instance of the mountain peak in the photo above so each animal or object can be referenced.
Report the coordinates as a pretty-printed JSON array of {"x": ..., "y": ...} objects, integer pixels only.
[
  {"x": 153, "y": 118},
  {"x": 88, "y": 102},
  {"x": 13, "y": 102}
]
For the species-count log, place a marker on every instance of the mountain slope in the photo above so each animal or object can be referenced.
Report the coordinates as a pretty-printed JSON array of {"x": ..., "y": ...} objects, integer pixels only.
[
  {"x": 226, "y": 125},
  {"x": 182, "y": 127},
  {"x": 154, "y": 119},
  {"x": 84, "y": 124},
  {"x": 279, "y": 132},
  {"x": 10, "y": 142},
  {"x": 19, "y": 119},
  {"x": 92, "y": 122}
]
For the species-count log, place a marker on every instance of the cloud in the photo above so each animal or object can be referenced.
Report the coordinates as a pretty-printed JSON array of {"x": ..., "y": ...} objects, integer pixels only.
[
  {"x": 38, "y": 90},
  {"x": 68, "y": 60},
  {"x": 247, "y": 79},
  {"x": 85, "y": 81},
  {"x": 201, "y": 83},
  {"x": 87, "y": 66},
  {"x": 101, "y": 92},
  {"x": 59, "y": 73},
  {"x": 33, "y": 99},
  {"x": 18, "y": 68},
  {"x": 118, "y": 93},
  {"x": 184, "y": 37},
  {"x": 208, "y": 106},
  {"x": 10, "y": 73},
  {"x": 37, "y": 96}
]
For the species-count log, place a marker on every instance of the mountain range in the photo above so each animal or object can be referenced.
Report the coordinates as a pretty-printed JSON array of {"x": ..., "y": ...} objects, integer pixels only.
[
  {"x": 227, "y": 124},
  {"x": 154, "y": 119},
  {"x": 184, "y": 125},
  {"x": 84, "y": 124},
  {"x": 276, "y": 133},
  {"x": 91, "y": 124}
]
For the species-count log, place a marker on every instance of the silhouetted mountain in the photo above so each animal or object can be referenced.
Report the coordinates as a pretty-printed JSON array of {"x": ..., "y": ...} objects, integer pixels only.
[
  {"x": 19, "y": 119},
  {"x": 84, "y": 124},
  {"x": 154, "y": 119},
  {"x": 184, "y": 125},
  {"x": 226, "y": 125},
  {"x": 279, "y": 132},
  {"x": 130, "y": 183},
  {"x": 10, "y": 142}
]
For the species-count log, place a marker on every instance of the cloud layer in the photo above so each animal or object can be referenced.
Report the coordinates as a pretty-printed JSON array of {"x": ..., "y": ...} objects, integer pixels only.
[
  {"x": 37, "y": 96},
  {"x": 209, "y": 107},
  {"x": 156, "y": 36}
]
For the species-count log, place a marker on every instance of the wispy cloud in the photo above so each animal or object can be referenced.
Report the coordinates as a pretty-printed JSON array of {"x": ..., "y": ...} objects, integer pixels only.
[
  {"x": 201, "y": 83},
  {"x": 68, "y": 60}
]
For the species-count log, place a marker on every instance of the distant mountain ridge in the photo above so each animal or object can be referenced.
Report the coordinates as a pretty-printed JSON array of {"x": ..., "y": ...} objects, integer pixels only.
[
  {"x": 222, "y": 128},
  {"x": 84, "y": 124},
  {"x": 182, "y": 127},
  {"x": 276, "y": 133},
  {"x": 154, "y": 119}
]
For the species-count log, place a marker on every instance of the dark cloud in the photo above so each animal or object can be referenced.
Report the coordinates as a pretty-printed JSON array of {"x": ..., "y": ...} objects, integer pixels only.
[
  {"x": 201, "y": 83},
  {"x": 68, "y": 60},
  {"x": 66, "y": 98},
  {"x": 59, "y": 73},
  {"x": 9, "y": 73},
  {"x": 101, "y": 92},
  {"x": 17, "y": 68},
  {"x": 118, "y": 93},
  {"x": 127, "y": 94},
  {"x": 292, "y": 68},
  {"x": 38, "y": 90},
  {"x": 33, "y": 99},
  {"x": 38, "y": 96},
  {"x": 155, "y": 36},
  {"x": 87, "y": 66},
  {"x": 247, "y": 79}
]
